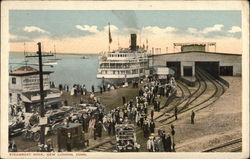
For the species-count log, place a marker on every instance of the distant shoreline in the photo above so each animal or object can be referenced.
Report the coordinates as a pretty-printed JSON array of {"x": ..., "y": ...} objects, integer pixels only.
[{"x": 77, "y": 54}]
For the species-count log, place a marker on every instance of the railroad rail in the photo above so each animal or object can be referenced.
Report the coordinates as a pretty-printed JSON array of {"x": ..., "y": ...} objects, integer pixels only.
[
  {"x": 202, "y": 77},
  {"x": 219, "y": 90},
  {"x": 202, "y": 87},
  {"x": 101, "y": 147},
  {"x": 231, "y": 146},
  {"x": 177, "y": 102}
]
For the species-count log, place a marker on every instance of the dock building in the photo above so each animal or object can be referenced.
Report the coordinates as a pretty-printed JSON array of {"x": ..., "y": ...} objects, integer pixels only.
[
  {"x": 24, "y": 89},
  {"x": 194, "y": 55}
]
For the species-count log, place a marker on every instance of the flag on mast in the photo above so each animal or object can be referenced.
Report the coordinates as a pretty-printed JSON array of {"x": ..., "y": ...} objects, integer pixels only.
[{"x": 110, "y": 38}]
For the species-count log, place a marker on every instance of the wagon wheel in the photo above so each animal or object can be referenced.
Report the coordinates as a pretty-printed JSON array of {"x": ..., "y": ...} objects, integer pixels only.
[
  {"x": 29, "y": 135},
  {"x": 54, "y": 131},
  {"x": 25, "y": 135},
  {"x": 36, "y": 136}
]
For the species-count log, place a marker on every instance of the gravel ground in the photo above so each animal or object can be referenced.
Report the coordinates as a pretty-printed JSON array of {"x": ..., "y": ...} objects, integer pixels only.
[{"x": 214, "y": 125}]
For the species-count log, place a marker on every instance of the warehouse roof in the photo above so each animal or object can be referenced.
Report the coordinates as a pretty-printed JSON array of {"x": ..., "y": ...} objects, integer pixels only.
[
  {"x": 26, "y": 70},
  {"x": 216, "y": 53}
]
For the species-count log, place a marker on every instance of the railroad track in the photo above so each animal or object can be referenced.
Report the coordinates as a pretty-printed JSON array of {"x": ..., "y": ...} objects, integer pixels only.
[
  {"x": 183, "y": 104},
  {"x": 188, "y": 101},
  {"x": 179, "y": 102},
  {"x": 190, "y": 97},
  {"x": 106, "y": 146},
  {"x": 219, "y": 91},
  {"x": 202, "y": 87},
  {"x": 231, "y": 146},
  {"x": 198, "y": 105}
]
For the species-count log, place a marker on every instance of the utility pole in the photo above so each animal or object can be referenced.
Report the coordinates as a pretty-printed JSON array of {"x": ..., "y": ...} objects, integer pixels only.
[{"x": 42, "y": 94}]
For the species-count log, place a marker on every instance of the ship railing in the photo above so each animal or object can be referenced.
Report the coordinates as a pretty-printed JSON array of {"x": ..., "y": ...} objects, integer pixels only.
[
  {"x": 118, "y": 75},
  {"x": 128, "y": 67}
]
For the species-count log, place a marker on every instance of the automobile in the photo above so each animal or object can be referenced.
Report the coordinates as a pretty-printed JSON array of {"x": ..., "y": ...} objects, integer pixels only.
[
  {"x": 80, "y": 110},
  {"x": 56, "y": 116},
  {"x": 126, "y": 138},
  {"x": 32, "y": 133},
  {"x": 16, "y": 128},
  {"x": 66, "y": 109}
]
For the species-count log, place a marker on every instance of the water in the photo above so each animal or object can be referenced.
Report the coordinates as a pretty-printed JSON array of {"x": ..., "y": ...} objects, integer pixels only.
[{"x": 70, "y": 70}]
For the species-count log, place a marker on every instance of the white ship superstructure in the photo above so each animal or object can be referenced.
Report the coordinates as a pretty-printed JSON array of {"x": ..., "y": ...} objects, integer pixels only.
[{"x": 124, "y": 64}]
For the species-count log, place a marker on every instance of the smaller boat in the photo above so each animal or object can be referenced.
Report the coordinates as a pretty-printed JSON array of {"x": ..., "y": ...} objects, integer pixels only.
[
  {"x": 49, "y": 63},
  {"x": 84, "y": 57}
]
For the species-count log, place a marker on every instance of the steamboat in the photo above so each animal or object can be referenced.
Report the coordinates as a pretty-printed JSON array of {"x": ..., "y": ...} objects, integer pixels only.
[{"x": 124, "y": 64}]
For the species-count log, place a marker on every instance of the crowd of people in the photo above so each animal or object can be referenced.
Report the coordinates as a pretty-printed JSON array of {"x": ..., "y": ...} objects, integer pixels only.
[
  {"x": 139, "y": 111},
  {"x": 135, "y": 111},
  {"x": 78, "y": 89}
]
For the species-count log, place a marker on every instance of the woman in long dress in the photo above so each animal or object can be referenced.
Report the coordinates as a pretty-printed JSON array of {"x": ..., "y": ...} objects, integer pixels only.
[{"x": 92, "y": 122}]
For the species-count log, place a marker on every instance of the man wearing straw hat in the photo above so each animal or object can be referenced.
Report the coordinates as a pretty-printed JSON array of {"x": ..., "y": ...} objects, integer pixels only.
[{"x": 150, "y": 144}]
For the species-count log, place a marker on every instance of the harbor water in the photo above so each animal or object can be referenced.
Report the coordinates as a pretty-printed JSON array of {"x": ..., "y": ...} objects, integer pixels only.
[{"x": 70, "y": 69}]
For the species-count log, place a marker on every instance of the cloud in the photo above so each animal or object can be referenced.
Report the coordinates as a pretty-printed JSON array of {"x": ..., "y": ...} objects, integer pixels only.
[
  {"x": 158, "y": 30},
  {"x": 15, "y": 38},
  {"x": 91, "y": 29},
  {"x": 71, "y": 44},
  {"x": 216, "y": 27},
  {"x": 157, "y": 37},
  {"x": 34, "y": 29},
  {"x": 170, "y": 29},
  {"x": 113, "y": 28},
  {"x": 94, "y": 29},
  {"x": 192, "y": 30},
  {"x": 234, "y": 29}
]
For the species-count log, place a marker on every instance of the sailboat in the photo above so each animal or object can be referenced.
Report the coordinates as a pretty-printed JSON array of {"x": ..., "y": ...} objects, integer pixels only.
[
  {"x": 55, "y": 59},
  {"x": 52, "y": 61}
]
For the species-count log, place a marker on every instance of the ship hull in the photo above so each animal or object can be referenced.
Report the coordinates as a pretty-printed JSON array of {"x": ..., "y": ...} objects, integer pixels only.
[{"x": 119, "y": 81}]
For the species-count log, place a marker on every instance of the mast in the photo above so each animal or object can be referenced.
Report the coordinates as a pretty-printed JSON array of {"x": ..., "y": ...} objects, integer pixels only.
[
  {"x": 110, "y": 38},
  {"x": 55, "y": 50},
  {"x": 118, "y": 43},
  {"x": 24, "y": 53}
]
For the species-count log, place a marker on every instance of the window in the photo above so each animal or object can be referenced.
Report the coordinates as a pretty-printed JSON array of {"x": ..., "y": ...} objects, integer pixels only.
[
  {"x": 226, "y": 70},
  {"x": 13, "y": 80},
  {"x": 10, "y": 97}
]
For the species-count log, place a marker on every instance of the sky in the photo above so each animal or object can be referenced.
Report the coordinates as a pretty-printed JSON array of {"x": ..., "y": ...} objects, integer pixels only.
[{"x": 86, "y": 31}]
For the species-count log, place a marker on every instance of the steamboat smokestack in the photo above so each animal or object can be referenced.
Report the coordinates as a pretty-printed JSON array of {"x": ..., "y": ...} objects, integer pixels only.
[{"x": 133, "y": 42}]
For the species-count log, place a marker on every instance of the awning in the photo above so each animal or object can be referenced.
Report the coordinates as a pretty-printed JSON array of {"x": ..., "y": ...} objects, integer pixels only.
[
  {"x": 53, "y": 101},
  {"x": 25, "y": 99}
]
